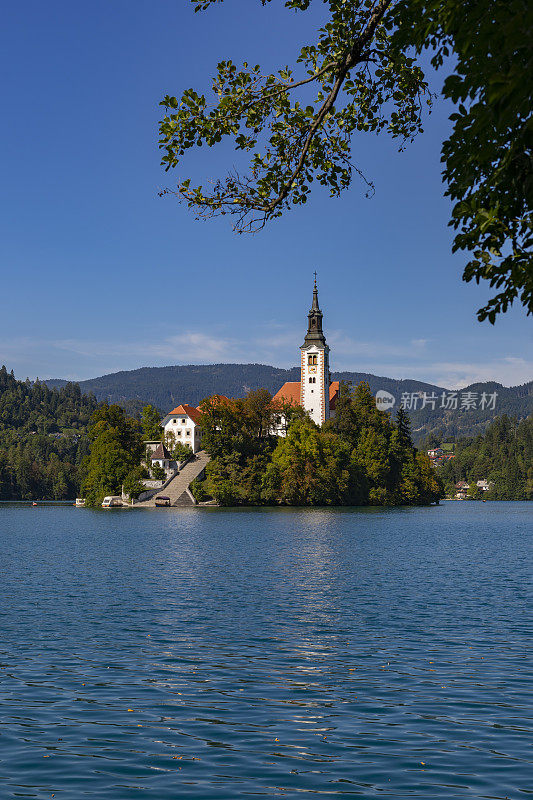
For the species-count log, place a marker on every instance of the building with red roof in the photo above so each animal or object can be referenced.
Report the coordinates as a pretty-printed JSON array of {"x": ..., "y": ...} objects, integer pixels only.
[
  {"x": 315, "y": 391},
  {"x": 290, "y": 393},
  {"x": 182, "y": 425}
]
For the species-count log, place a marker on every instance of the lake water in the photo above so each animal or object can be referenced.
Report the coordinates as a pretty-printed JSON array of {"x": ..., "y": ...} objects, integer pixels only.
[{"x": 211, "y": 653}]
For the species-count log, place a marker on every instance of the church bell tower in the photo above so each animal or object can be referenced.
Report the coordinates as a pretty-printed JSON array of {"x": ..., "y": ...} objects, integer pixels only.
[{"x": 315, "y": 377}]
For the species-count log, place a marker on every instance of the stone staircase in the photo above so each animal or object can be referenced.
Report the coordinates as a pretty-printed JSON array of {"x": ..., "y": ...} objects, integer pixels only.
[{"x": 178, "y": 488}]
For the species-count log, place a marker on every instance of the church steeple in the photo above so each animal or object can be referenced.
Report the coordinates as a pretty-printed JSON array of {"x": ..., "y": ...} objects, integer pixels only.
[
  {"x": 315, "y": 380},
  {"x": 314, "y": 334}
]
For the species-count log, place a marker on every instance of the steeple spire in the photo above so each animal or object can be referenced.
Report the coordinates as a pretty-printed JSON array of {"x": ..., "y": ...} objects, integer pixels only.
[
  {"x": 315, "y": 306},
  {"x": 314, "y": 326}
]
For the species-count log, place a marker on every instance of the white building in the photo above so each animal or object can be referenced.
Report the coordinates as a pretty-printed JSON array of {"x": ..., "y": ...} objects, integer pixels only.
[
  {"x": 315, "y": 391},
  {"x": 162, "y": 457},
  {"x": 183, "y": 424}
]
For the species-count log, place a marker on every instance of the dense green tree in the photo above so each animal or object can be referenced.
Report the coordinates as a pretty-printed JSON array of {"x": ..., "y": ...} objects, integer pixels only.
[
  {"x": 235, "y": 479},
  {"x": 475, "y": 492},
  {"x": 488, "y": 164},
  {"x": 312, "y": 467},
  {"x": 158, "y": 472},
  {"x": 358, "y": 457},
  {"x": 178, "y": 450},
  {"x": 134, "y": 481},
  {"x": 238, "y": 434},
  {"x": 285, "y": 413},
  {"x": 151, "y": 424},
  {"x": 345, "y": 422},
  {"x": 244, "y": 425},
  {"x": 199, "y": 491},
  {"x": 360, "y": 74},
  {"x": 403, "y": 423},
  {"x": 42, "y": 438},
  {"x": 116, "y": 452},
  {"x": 503, "y": 455}
]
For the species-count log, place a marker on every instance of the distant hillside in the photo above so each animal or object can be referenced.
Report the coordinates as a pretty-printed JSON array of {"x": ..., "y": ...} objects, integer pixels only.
[{"x": 166, "y": 387}]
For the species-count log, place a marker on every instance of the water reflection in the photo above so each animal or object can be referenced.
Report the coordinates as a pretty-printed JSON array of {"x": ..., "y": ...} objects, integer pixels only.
[{"x": 269, "y": 654}]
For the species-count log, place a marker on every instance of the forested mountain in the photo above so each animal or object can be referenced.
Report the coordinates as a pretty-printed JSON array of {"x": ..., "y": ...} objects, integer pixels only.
[
  {"x": 166, "y": 387},
  {"x": 42, "y": 438},
  {"x": 503, "y": 455}
]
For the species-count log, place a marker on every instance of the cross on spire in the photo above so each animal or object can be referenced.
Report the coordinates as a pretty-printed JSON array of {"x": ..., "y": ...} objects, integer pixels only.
[{"x": 314, "y": 325}]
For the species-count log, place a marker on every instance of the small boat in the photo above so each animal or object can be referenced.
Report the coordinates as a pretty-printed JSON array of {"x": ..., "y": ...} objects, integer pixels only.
[
  {"x": 112, "y": 501},
  {"x": 162, "y": 501},
  {"x": 80, "y": 502},
  {"x": 34, "y": 503}
]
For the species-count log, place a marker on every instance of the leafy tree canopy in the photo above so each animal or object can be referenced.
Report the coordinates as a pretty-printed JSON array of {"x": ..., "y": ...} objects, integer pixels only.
[
  {"x": 115, "y": 454},
  {"x": 360, "y": 74},
  {"x": 488, "y": 159},
  {"x": 178, "y": 450},
  {"x": 151, "y": 424},
  {"x": 503, "y": 455},
  {"x": 359, "y": 457},
  {"x": 42, "y": 438}
]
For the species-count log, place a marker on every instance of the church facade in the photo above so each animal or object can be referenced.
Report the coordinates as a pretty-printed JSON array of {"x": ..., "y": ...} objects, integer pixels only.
[{"x": 315, "y": 391}]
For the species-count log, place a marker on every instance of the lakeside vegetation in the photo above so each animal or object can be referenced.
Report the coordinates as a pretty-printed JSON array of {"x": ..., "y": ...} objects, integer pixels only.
[
  {"x": 114, "y": 461},
  {"x": 503, "y": 456},
  {"x": 58, "y": 443},
  {"x": 42, "y": 438},
  {"x": 359, "y": 457}
]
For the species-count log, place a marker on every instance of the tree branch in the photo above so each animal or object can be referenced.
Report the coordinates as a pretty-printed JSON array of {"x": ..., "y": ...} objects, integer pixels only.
[{"x": 352, "y": 58}]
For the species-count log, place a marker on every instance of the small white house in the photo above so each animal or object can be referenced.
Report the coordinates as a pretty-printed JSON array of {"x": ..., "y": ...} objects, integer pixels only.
[
  {"x": 182, "y": 423},
  {"x": 485, "y": 485},
  {"x": 162, "y": 457}
]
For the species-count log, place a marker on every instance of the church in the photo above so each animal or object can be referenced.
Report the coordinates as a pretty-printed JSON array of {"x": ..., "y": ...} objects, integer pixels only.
[{"x": 315, "y": 391}]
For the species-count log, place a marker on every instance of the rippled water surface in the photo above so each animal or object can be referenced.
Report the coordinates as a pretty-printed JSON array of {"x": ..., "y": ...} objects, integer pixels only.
[{"x": 225, "y": 654}]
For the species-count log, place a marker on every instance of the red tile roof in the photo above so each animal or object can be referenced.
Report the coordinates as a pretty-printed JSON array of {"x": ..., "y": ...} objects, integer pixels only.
[
  {"x": 290, "y": 393},
  {"x": 186, "y": 410},
  {"x": 333, "y": 394}
]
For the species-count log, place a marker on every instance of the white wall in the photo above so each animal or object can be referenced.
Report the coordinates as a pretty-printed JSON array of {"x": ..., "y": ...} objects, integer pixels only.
[
  {"x": 315, "y": 395},
  {"x": 185, "y": 430}
]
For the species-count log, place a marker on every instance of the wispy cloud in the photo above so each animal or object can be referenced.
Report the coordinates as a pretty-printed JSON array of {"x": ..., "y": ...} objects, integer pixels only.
[
  {"x": 509, "y": 371},
  {"x": 347, "y": 349},
  {"x": 77, "y": 358},
  {"x": 180, "y": 347}
]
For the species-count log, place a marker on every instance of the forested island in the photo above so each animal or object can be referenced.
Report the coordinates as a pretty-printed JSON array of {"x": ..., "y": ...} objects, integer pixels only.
[
  {"x": 58, "y": 443},
  {"x": 358, "y": 457}
]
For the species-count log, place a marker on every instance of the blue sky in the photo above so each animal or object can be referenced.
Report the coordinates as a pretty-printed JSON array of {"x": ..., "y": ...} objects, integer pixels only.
[{"x": 100, "y": 274}]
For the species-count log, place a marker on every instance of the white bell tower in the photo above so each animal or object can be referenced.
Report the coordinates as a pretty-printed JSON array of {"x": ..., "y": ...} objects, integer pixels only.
[{"x": 315, "y": 376}]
